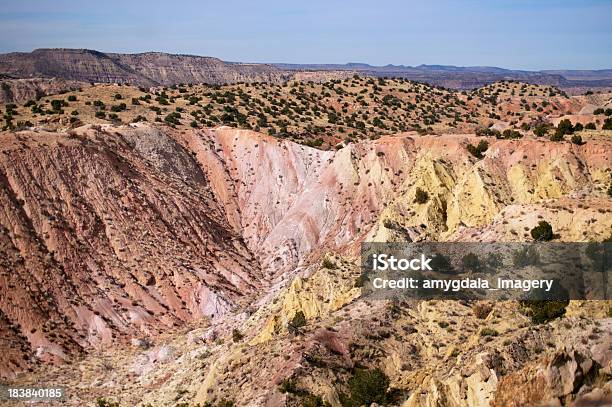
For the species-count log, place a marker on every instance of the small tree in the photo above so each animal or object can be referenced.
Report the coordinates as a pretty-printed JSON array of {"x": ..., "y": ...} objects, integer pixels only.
[
  {"x": 564, "y": 127},
  {"x": 421, "y": 196},
  {"x": 477, "y": 151},
  {"x": 368, "y": 386},
  {"x": 298, "y": 321},
  {"x": 471, "y": 261},
  {"x": 540, "y": 130},
  {"x": 237, "y": 335},
  {"x": 576, "y": 139},
  {"x": 556, "y": 137},
  {"x": 543, "y": 232},
  {"x": 544, "y": 311}
]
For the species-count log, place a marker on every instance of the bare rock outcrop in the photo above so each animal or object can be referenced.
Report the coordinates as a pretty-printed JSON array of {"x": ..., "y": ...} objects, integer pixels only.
[
  {"x": 106, "y": 234},
  {"x": 146, "y": 69},
  {"x": 21, "y": 90}
]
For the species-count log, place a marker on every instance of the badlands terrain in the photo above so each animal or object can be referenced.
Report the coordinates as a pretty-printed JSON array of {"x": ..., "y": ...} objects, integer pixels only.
[{"x": 199, "y": 245}]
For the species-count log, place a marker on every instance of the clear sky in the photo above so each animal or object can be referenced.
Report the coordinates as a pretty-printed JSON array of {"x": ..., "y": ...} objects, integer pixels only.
[{"x": 520, "y": 34}]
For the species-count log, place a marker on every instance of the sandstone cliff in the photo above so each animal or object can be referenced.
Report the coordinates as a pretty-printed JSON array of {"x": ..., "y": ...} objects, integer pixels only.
[
  {"x": 22, "y": 90},
  {"x": 146, "y": 69}
]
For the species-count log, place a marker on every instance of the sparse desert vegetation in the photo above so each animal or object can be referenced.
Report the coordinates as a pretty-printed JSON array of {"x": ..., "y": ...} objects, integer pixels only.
[{"x": 315, "y": 114}]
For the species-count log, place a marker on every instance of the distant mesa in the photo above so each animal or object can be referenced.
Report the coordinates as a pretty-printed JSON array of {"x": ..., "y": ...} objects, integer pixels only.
[
  {"x": 145, "y": 69},
  {"x": 158, "y": 68}
]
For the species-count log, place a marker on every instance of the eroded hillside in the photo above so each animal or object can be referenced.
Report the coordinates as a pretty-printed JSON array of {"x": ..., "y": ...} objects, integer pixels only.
[
  {"x": 118, "y": 234},
  {"x": 106, "y": 234}
]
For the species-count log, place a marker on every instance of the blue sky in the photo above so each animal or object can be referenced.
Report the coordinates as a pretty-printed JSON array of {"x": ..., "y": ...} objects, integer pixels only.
[{"x": 520, "y": 34}]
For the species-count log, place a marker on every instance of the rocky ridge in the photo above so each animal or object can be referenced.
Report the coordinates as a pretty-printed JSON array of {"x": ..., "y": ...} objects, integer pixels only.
[{"x": 146, "y": 69}]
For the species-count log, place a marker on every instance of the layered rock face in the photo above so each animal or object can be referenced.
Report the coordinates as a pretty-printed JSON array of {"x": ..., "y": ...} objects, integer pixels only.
[
  {"x": 107, "y": 233},
  {"x": 169, "y": 69},
  {"x": 74, "y": 64},
  {"x": 21, "y": 90},
  {"x": 120, "y": 232},
  {"x": 294, "y": 200},
  {"x": 147, "y": 69}
]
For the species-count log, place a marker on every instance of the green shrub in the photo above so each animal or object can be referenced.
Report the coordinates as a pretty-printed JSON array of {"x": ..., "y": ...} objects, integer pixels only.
[
  {"x": 543, "y": 311},
  {"x": 57, "y": 104},
  {"x": 564, "y": 127},
  {"x": 590, "y": 126},
  {"x": 306, "y": 399},
  {"x": 510, "y": 134},
  {"x": 488, "y": 332},
  {"x": 299, "y": 320},
  {"x": 543, "y": 232},
  {"x": 556, "y": 137},
  {"x": 441, "y": 263},
  {"x": 421, "y": 196},
  {"x": 576, "y": 139},
  {"x": 118, "y": 108},
  {"x": 526, "y": 256},
  {"x": 541, "y": 130},
  {"x": 162, "y": 100},
  {"x": 173, "y": 118},
  {"x": 485, "y": 131},
  {"x": 472, "y": 262},
  {"x": 237, "y": 336},
  {"x": 477, "y": 151},
  {"x": 367, "y": 386},
  {"x": 72, "y": 98},
  {"x": 328, "y": 264},
  {"x": 288, "y": 386},
  {"x": 361, "y": 280},
  {"x": 102, "y": 402},
  {"x": 482, "y": 310}
]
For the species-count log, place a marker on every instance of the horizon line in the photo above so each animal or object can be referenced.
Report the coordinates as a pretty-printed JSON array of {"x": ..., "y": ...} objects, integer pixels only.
[{"x": 400, "y": 65}]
